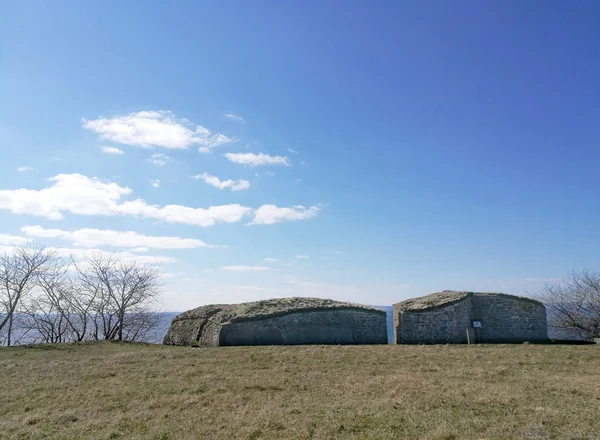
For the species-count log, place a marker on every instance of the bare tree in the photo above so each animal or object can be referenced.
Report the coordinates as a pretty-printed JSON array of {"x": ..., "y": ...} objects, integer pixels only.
[
  {"x": 58, "y": 312},
  {"x": 574, "y": 304},
  {"x": 19, "y": 271},
  {"x": 43, "y": 317},
  {"x": 80, "y": 306},
  {"x": 124, "y": 294},
  {"x": 141, "y": 325},
  {"x": 47, "y": 299}
]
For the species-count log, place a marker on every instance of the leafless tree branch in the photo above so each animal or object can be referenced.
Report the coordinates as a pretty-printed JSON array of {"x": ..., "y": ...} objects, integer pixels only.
[{"x": 574, "y": 303}]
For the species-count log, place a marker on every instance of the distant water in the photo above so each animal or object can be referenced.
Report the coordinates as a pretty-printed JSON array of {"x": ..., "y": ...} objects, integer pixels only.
[
  {"x": 389, "y": 317},
  {"x": 164, "y": 322},
  {"x": 20, "y": 337}
]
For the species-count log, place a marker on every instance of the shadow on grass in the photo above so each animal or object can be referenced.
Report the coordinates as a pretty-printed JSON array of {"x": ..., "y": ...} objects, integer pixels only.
[
  {"x": 65, "y": 346},
  {"x": 569, "y": 342}
]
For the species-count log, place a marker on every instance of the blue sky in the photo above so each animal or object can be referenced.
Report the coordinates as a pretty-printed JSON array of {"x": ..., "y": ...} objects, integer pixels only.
[{"x": 364, "y": 151}]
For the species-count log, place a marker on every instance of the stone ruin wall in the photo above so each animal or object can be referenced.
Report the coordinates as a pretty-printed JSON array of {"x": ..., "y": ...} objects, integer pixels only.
[
  {"x": 504, "y": 319},
  {"x": 333, "y": 326},
  {"x": 443, "y": 325},
  {"x": 508, "y": 320}
]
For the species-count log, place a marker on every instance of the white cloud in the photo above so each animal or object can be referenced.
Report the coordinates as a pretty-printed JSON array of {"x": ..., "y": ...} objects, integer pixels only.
[
  {"x": 245, "y": 268},
  {"x": 269, "y": 214},
  {"x": 155, "y": 183},
  {"x": 214, "y": 141},
  {"x": 111, "y": 150},
  {"x": 73, "y": 193},
  {"x": 292, "y": 151},
  {"x": 80, "y": 254},
  {"x": 234, "y": 185},
  {"x": 13, "y": 240},
  {"x": 148, "y": 129},
  {"x": 25, "y": 169},
  {"x": 159, "y": 159},
  {"x": 81, "y": 195},
  {"x": 302, "y": 257},
  {"x": 107, "y": 237},
  {"x": 234, "y": 117},
  {"x": 278, "y": 290},
  {"x": 541, "y": 280},
  {"x": 254, "y": 160},
  {"x": 270, "y": 260},
  {"x": 204, "y": 217}
]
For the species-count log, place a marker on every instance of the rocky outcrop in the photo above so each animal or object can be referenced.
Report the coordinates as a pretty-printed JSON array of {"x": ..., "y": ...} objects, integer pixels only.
[{"x": 278, "y": 322}]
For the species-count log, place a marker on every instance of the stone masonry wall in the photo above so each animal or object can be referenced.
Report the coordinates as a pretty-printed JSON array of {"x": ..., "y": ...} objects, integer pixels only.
[
  {"x": 340, "y": 326},
  {"x": 444, "y": 325},
  {"x": 504, "y": 319}
]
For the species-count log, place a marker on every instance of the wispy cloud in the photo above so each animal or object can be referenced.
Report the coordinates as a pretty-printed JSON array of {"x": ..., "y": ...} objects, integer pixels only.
[
  {"x": 233, "y": 185},
  {"x": 292, "y": 151},
  {"x": 269, "y": 214},
  {"x": 25, "y": 169},
  {"x": 215, "y": 141},
  {"x": 155, "y": 183},
  {"x": 541, "y": 280},
  {"x": 13, "y": 240},
  {"x": 302, "y": 257},
  {"x": 139, "y": 249},
  {"x": 80, "y": 254},
  {"x": 270, "y": 260},
  {"x": 148, "y": 129},
  {"x": 245, "y": 268},
  {"x": 81, "y": 195},
  {"x": 89, "y": 238},
  {"x": 159, "y": 159},
  {"x": 234, "y": 117},
  {"x": 254, "y": 160},
  {"x": 111, "y": 150}
]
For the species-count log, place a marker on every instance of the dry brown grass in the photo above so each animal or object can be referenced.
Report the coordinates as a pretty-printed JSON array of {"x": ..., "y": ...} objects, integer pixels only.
[{"x": 131, "y": 391}]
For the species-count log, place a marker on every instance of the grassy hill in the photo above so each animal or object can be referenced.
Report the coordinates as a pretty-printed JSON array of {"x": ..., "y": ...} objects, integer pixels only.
[{"x": 136, "y": 391}]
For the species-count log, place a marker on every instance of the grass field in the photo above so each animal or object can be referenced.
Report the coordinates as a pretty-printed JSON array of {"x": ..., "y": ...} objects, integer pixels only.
[{"x": 134, "y": 391}]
